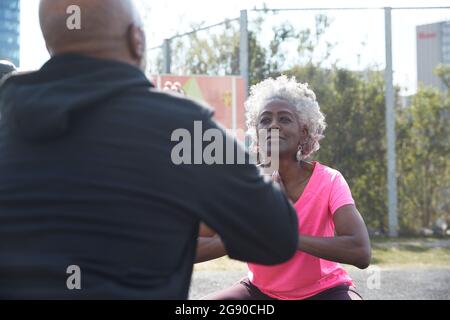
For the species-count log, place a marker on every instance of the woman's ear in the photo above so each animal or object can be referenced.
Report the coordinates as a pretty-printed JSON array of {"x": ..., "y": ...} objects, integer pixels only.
[{"x": 305, "y": 133}]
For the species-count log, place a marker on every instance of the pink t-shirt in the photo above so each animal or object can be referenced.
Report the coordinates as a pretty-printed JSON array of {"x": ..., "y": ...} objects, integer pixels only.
[{"x": 304, "y": 275}]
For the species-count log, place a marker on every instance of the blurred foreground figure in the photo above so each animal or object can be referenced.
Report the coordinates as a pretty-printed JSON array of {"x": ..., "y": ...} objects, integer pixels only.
[
  {"x": 92, "y": 203},
  {"x": 6, "y": 68}
]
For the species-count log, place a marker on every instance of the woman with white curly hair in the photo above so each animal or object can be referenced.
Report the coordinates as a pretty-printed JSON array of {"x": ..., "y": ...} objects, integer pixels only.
[{"x": 331, "y": 230}]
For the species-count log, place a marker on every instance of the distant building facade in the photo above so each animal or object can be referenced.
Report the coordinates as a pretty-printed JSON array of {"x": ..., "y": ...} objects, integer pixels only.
[
  {"x": 10, "y": 30},
  {"x": 433, "y": 48}
]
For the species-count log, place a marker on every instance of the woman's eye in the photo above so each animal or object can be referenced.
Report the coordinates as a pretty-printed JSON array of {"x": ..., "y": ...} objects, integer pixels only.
[
  {"x": 264, "y": 121},
  {"x": 285, "y": 120}
]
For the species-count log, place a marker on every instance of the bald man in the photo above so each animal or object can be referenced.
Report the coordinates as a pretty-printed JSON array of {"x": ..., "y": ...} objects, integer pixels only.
[{"x": 91, "y": 204}]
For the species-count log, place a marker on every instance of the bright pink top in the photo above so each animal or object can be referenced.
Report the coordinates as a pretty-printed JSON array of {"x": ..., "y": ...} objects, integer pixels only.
[{"x": 303, "y": 275}]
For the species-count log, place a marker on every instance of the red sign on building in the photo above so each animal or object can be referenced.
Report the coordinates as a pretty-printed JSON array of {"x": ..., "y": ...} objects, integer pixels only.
[{"x": 426, "y": 35}]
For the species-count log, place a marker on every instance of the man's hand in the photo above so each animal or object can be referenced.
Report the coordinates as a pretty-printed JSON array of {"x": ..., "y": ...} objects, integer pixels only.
[{"x": 174, "y": 87}]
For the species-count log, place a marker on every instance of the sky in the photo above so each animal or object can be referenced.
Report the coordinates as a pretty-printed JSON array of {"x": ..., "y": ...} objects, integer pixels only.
[{"x": 359, "y": 34}]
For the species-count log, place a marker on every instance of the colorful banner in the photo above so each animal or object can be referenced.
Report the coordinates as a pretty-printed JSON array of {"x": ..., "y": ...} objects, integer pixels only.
[{"x": 226, "y": 95}]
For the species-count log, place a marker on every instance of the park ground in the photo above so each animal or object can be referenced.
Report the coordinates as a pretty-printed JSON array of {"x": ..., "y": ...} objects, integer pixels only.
[{"x": 405, "y": 268}]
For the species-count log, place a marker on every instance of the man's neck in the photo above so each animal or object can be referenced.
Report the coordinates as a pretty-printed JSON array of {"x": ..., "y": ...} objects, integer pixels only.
[{"x": 113, "y": 54}]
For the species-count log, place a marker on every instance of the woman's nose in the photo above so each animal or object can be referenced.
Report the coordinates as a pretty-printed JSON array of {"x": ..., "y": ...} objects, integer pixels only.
[{"x": 274, "y": 124}]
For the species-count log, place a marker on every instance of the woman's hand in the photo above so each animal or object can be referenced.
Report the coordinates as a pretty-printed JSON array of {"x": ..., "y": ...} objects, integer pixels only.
[
  {"x": 205, "y": 231},
  {"x": 209, "y": 245},
  {"x": 174, "y": 87}
]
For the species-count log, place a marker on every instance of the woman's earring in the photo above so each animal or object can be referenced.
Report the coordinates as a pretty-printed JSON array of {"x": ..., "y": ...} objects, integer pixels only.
[{"x": 299, "y": 154}]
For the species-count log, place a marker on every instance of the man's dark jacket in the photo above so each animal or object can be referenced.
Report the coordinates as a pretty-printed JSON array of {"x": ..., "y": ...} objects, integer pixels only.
[{"x": 87, "y": 180}]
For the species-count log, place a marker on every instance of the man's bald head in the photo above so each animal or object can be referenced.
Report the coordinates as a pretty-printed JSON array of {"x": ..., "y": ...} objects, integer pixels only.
[{"x": 110, "y": 29}]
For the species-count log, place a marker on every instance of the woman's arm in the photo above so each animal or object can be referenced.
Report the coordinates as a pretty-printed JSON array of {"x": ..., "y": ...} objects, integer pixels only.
[
  {"x": 209, "y": 245},
  {"x": 351, "y": 245},
  {"x": 205, "y": 231},
  {"x": 209, "y": 248}
]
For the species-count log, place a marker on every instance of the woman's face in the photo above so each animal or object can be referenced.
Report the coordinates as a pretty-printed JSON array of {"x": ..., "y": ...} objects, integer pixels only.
[{"x": 279, "y": 114}]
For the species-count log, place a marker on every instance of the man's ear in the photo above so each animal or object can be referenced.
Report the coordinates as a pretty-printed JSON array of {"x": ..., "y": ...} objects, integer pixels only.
[
  {"x": 136, "y": 42},
  {"x": 50, "y": 51}
]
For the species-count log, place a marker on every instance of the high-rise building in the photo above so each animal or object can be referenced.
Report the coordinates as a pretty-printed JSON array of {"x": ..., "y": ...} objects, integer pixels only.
[
  {"x": 433, "y": 48},
  {"x": 10, "y": 30}
]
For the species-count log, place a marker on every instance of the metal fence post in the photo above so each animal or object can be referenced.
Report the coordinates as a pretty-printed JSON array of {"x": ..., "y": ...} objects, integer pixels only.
[
  {"x": 390, "y": 129},
  {"x": 167, "y": 64},
  {"x": 244, "y": 50}
]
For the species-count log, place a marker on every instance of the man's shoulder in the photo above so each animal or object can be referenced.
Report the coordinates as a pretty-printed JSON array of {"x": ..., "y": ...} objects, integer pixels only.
[
  {"x": 173, "y": 104},
  {"x": 18, "y": 77}
]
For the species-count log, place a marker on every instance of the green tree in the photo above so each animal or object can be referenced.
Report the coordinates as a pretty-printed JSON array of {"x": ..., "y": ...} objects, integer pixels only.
[
  {"x": 217, "y": 52},
  {"x": 354, "y": 143},
  {"x": 424, "y": 157}
]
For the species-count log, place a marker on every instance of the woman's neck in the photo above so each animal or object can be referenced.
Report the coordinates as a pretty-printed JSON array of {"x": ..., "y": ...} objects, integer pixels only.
[{"x": 291, "y": 171}]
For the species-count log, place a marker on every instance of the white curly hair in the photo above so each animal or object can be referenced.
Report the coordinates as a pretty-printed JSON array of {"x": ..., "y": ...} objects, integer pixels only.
[{"x": 296, "y": 94}]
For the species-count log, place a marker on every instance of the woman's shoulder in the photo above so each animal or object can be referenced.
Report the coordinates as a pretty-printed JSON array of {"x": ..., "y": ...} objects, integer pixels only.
[{"x": 326, "y": 173}]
